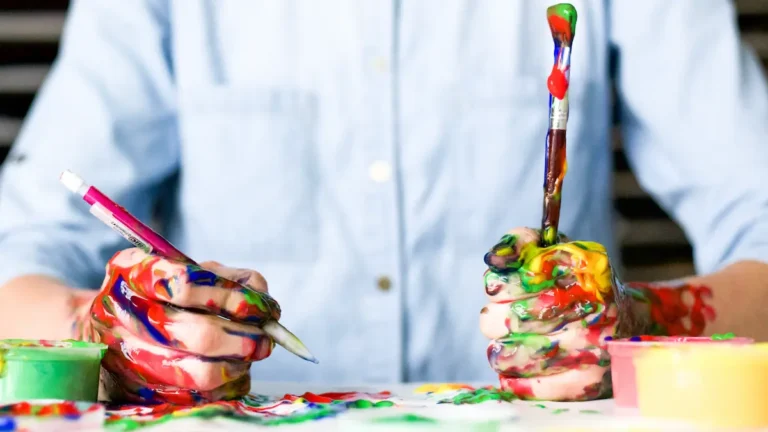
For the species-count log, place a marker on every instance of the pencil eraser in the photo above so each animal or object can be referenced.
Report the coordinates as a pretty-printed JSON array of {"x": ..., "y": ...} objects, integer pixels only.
[{"x": 71, "y": 181}]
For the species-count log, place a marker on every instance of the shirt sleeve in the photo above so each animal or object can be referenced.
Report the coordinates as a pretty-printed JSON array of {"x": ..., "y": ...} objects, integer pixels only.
[
  {"x": 107, "y": 112},
  {"x": 694, "y": 109}
]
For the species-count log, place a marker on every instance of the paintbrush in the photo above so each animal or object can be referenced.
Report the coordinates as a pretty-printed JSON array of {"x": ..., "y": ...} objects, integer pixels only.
[{"x": 562, "y": 23}]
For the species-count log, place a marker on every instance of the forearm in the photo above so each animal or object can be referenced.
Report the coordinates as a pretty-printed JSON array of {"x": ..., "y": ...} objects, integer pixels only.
[
  {"x": 39, "y": 307},
  {"x": 736, "y": 302}
]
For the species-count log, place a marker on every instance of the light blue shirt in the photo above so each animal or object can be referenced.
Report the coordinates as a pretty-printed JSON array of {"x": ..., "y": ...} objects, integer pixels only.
[{"x": 329, "y": 144}]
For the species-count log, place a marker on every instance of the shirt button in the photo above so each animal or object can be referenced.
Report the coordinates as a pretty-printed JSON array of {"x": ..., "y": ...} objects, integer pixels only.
[
  {"x": 384, "y": 283},
  {"x": 380, "y": 171}
]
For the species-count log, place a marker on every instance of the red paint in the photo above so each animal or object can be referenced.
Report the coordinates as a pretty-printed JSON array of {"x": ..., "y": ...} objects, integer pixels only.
[
  {"x": 338, "y": 396},
  {"x": 561, "y": 27},
  {"x": 669, "y": 310},
  {"x": 520, "y": 387},
  {"x": 557, "y": 83}
]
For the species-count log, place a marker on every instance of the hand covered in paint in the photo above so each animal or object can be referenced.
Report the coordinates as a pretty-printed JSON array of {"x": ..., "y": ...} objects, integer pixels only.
[
  {"x": 550, "y": 310},
  {"x": 178, "y": 333}
]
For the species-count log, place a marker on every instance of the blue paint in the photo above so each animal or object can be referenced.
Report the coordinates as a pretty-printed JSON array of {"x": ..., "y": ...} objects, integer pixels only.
[
  {"x": 137, "y": 306},
  {"x": 167, "y": 286},
  {"x": 252, "y": 336},
  {"x": 7, "y": 424},
  {"x": 146, "y": 394},
  {"x": 199, "y": 276},
  {"x": 635, "y": 339},
  {"x": 608, "y": 338},
  {"x": 72, "y": 416}
]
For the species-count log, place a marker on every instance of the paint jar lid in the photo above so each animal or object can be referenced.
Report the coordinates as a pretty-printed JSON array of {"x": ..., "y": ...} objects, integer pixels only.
[{"x": 50, "y": 350}]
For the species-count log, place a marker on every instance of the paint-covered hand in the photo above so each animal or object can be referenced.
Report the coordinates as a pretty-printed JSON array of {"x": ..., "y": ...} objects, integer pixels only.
[
  {"x": 551, "y": 309},
  {"x": 177, "y": 333}
]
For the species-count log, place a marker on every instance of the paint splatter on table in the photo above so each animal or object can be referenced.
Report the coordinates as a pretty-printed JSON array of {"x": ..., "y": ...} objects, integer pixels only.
[{"x": 426, "y": 407}]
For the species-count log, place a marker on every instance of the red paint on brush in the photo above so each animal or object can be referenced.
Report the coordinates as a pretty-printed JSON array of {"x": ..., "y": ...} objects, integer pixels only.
[
  {"x": 560, "y": 26},
  {"x": 557, "y": 83}
]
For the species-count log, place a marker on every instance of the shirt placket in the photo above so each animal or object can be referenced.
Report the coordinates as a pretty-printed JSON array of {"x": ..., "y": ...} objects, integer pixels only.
[{"x": 382, "y": 227}]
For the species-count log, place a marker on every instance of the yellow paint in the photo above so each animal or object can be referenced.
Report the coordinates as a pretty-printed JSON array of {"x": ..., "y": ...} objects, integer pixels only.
[
  {"x": 591, "y": 267},
  {"x": 2, "y": 362},
  {"x": 441, "y": 388},
  {"x": 717, "y": 385}
]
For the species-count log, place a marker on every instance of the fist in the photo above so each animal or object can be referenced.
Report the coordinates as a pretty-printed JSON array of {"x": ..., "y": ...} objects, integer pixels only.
[
  {"x": 177, "y": 333},
  {"x": 549, "y": 313}
]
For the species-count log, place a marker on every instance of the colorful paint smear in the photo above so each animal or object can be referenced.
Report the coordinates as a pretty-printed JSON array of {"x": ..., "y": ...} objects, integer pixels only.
[
  {"x": 550, "y": 312},
  {"x": 253, "y": 408},
  {"x": 669, "y": 313},
  {"x": 167, "y": 342},
  {"x": 562, "y": 23}
]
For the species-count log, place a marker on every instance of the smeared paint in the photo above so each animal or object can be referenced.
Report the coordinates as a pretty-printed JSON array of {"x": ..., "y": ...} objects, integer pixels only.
[
  {"x": 481, "y": 395},
  {"x": 149, "y": 314},
  {"x": 259, "y": 409},
  {"x": 440, "y": 388},
  {"x": 405, "y": 418},
  {"x": 561, "y": 292},
  {"x": 560, "y": 411},
  {"x": 668, "y": 310},
  {"x": 725, "y": 336}
]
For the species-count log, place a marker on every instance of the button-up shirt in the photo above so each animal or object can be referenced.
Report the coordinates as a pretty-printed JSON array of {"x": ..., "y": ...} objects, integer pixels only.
[{"x": 364, "y": 154}]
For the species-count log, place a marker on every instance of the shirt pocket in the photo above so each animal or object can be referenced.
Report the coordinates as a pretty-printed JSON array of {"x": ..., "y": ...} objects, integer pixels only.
[
  {"x": 249, "y": 173},
  {"x": 499, "y": 151}
]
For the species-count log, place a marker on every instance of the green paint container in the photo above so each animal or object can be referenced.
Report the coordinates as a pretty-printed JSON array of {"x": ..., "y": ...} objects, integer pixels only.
[{"x": 39, "y": 369}]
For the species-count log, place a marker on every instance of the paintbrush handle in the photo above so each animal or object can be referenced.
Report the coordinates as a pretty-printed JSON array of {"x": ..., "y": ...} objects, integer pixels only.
[{"x": 562, "y": 23}]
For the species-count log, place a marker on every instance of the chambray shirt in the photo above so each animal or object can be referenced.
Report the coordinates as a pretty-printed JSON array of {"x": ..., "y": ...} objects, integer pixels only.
[{"x": 344, "y": 146}]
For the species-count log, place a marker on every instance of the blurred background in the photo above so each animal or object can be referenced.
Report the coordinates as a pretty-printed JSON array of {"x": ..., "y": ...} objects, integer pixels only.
[{"x": 653, "y": 246}]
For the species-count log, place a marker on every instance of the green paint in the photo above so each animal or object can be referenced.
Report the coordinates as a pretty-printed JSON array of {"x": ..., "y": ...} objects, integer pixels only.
[
  {"x": 534, "y": 341},
  {"x": 383, "y": 404},
  {"x": 540, "y": 406},
  {"x": 560, "y": 410},
  {"x": 405, "y": 418},
  {"x": 589, "y": 411},
  {"x": 481, "y": 395},
  {"x": 254, "y": 298},
  {"x": 567, "y": 12},
  {"x": 69, "y": 370},
  {"x": 725, "y": 336}
]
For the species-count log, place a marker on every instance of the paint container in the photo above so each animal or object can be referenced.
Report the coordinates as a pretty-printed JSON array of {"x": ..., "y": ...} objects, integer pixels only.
[
  {"x": 39, "y": 369},
  {"x": 714, "y": 385},
  {"x": 623, "y": 351}
]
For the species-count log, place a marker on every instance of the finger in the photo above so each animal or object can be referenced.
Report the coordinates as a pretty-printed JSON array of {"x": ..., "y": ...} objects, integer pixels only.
[
  {"x": 190, "y": 287},
  {"x": 245, "y": 277},
  {"x": 136, "y": 360},
  {"x": 528, "y": 354},
  {"x": 544, "y": 313},
  {"x": 587, "y": 383},
  {"x": 504, "y": 257},
  {"x": 194, "y": 333},
  {"x": 123, "y": 390}
]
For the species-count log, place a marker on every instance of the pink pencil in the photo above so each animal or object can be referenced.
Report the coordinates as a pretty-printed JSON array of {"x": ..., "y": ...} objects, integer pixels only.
[{"x": 146, "y": 239}]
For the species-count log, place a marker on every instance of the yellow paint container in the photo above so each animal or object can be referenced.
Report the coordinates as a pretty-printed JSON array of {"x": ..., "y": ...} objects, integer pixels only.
[{"x": 710, "y": 385}]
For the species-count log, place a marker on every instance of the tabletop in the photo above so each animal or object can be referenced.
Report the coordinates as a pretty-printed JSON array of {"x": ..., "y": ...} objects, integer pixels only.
[{"x": 399, "y": 407}]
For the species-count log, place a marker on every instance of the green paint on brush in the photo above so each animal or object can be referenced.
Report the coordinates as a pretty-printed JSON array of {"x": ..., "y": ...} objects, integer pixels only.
[
  {"x": 405, "y": 418},
  {"x": 725, "y": 336},
  {"x": 565, "y": 12}
]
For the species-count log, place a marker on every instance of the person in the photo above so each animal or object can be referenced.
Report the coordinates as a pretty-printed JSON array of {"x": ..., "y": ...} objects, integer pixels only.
[{"x": 362, "y": 156}]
